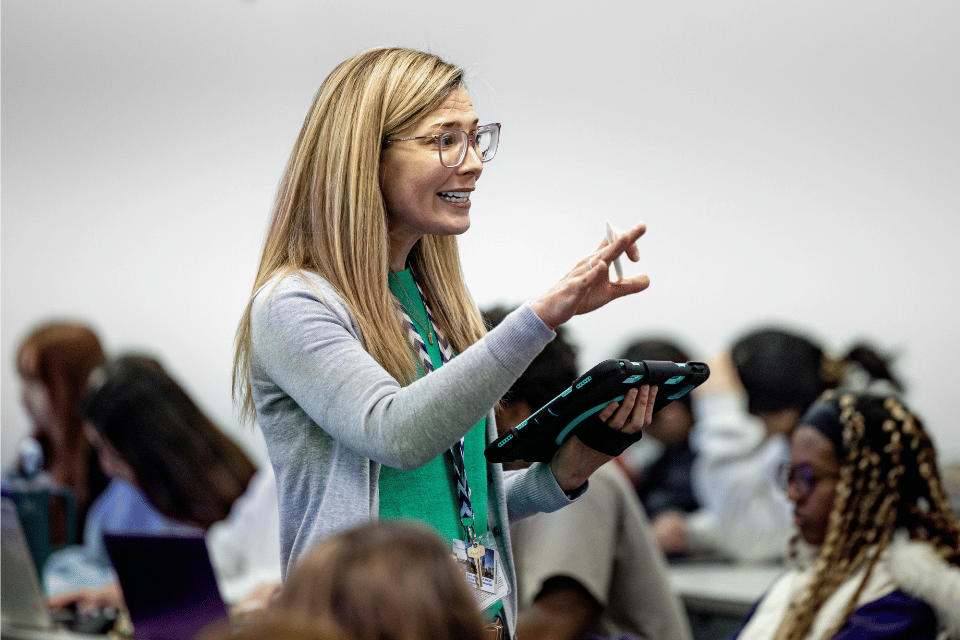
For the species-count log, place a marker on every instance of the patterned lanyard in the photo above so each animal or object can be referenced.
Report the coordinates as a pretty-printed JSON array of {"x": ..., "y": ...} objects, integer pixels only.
[{"x": 455, "y": 452}]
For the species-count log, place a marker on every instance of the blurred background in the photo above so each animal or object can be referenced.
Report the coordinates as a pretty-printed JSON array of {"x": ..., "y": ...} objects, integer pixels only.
[{"x": 796, "y": 163}]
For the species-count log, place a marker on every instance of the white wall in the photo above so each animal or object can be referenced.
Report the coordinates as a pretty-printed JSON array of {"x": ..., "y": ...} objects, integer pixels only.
[{"x": 793, "y": 161}]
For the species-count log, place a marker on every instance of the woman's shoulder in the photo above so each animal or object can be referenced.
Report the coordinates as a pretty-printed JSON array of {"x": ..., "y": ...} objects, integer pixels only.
[
  {"x": 283, "y": 295},
  {"x": 294, "y": 282}
]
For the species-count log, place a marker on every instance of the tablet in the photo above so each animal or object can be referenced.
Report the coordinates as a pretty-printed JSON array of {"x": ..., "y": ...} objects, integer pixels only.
[{"x": 538, "y": 437}]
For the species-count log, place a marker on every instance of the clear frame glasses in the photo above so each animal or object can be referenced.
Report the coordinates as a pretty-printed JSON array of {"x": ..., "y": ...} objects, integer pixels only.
[
  {"x": 802, "y": 478},
  {"x": 452, "y": 145}
]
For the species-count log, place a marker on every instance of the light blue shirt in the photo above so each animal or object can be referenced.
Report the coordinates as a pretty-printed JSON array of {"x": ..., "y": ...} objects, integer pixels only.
[{"x": 121, "y": 507}]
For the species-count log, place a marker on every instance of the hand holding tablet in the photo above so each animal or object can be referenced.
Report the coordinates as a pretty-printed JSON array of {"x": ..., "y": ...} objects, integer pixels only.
[{"x": 573, "y": 412}]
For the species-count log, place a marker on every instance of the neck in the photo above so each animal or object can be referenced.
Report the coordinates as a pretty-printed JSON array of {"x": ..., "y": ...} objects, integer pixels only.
[
  {"x": 782, "y": 422},
  {"x": 400, "y": 247}
]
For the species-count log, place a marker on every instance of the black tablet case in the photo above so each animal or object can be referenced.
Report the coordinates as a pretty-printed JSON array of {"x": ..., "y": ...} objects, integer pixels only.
[{"x": 538, "y": 437}]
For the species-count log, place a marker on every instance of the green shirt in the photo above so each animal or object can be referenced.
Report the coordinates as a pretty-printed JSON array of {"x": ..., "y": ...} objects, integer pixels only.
[{"x": 428, "y": 494}]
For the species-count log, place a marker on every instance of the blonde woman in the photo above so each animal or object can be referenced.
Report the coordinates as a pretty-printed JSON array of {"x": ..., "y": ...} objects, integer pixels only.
[
  {"x": 878, "y": 550},
  {"x": 346, "y": 349}
]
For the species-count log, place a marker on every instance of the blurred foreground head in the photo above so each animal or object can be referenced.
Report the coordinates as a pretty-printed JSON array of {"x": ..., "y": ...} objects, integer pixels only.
[{"x": 383, "y": 581}]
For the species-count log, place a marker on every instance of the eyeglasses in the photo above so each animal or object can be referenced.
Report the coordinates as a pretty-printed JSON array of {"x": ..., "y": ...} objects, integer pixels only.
[
  {"x": 802, "y": 477},
  {"x": 453, "y": 144}
]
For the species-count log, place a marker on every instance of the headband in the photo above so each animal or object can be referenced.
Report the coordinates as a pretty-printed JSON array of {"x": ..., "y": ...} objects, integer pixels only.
[{"x": 825, "y": 417}]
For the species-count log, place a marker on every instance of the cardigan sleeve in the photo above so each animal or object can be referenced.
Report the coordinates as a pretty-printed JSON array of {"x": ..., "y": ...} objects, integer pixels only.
[{"x": 306, "y": 343}]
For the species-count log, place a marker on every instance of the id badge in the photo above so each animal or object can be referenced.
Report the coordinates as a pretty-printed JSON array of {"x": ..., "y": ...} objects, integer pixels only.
[{"x": 482, "y": 569}]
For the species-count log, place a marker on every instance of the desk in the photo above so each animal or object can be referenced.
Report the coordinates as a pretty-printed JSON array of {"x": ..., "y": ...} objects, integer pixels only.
[
  {"x": 22, "y": 633},
  {"x": 731, "y": 589},
  {"x": 718, "y": 595}
]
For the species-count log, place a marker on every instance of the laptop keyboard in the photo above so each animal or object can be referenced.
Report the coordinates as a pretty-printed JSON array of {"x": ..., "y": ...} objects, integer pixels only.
[{"x": 95, "y": 622}]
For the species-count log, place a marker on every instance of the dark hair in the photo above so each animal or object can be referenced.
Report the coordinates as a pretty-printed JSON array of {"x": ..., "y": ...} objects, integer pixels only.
[
  {"x": 779, "y": 369},
  {"x": 548, "y": 375},
  {"x": 383, "y": 580},
  {"x": 658, "y": 349},
  {"x": 186, "y": 466}
]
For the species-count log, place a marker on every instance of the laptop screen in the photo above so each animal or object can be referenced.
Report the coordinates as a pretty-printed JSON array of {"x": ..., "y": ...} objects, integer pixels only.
[
  {"x": 24, "y": 604},
  {"x": 168, "y": 584}
]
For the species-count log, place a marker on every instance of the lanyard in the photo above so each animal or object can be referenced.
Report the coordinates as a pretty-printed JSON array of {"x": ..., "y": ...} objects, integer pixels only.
[{"x": 454, "y": 455}]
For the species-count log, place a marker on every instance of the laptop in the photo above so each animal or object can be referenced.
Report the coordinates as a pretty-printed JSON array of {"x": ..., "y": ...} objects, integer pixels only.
[
  {"x": 168, "y": 584},
  {"x": 23, "y": 605}
]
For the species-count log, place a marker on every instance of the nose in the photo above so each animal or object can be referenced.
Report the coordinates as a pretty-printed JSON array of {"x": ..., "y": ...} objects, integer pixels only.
[
  {"x": 471, "y": 162},
  {"x": 793, "y": 495}
]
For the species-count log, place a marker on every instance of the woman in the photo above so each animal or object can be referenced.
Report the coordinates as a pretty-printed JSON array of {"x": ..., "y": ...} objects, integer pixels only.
[
  {"x": 54, "y": 361},
  {"x": 154, "y": 440},
  {"x": 746, "y": 412},
  {"x": 878, "y": 551},
  {"x": 360, "y": 263}
]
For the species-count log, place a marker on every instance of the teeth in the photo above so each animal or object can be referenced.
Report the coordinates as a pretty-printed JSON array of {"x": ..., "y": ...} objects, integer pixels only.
[{"x": 454, "y": 197}]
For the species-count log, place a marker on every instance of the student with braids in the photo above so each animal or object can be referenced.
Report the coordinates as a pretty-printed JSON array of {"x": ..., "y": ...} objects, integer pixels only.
[
  {"x": 877, "y": 554},
  {"x": 745, "y": 415}
]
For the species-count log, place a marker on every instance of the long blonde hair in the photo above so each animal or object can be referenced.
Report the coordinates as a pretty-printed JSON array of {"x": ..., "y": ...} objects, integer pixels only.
[{"x": 329, "y": 216}]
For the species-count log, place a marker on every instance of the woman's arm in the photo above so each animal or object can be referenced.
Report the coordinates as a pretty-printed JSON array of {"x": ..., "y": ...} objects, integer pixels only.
[{"x": 312, "y": 350}]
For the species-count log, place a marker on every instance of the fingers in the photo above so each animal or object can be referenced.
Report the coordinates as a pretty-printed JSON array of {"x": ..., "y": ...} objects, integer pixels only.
[
  {"x": 610, "y": 250},
  {"x": 626, "y": 286},
  {"x": 625, "y": 242},
  {"x": 633, "y": 413},
  {"x": 632, "y": 251},
  {"x": 63, "y": 600},
  {"x": 648, "y": 408}
]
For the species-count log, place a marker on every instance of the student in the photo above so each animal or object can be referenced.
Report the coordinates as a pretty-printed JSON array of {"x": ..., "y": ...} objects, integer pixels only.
[
  {"x": 346, "y": 349},
  {"x": 877, "y": 553},
  {"x": 381, "y": 581},
  {"x": 592, "y": 569},
  {"x": 53, "y": 361},
  {"x": 746, "y": 412},
  {"x": 661, "y": 467},
  {"x": 154, "y": 440}
]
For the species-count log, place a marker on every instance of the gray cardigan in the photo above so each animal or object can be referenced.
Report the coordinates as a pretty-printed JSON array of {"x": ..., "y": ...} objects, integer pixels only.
[{"x": 331, "y": 415}]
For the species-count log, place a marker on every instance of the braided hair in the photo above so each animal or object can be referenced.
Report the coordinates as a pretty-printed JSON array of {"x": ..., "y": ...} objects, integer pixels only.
[{"x": 889, "y": 480}]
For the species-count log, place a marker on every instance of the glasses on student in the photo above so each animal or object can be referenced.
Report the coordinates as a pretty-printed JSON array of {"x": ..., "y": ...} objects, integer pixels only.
[
  {"x": 453, "y": 144},
  {"x": 802, "y": 478}
]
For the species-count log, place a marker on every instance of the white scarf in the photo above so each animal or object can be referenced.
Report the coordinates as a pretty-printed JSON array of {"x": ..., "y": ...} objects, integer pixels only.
[{"x": 773, "y": 607}]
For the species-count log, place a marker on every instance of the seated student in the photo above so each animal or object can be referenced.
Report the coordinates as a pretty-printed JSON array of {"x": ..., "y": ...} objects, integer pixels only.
[
  {"x": 877, "y": 553},
  {"x": 53, "y": 361},
  {"x": 746, "y": 413},
  {"x": 594, "y": 567},
  {"x": 154, "y": 440},
  {"x": 382, "y": 580},
  {"x": 660, "y": 467}
]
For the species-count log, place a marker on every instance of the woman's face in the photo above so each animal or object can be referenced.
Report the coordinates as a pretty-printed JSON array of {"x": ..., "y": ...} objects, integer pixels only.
[
  {"x": 37, "y": 401},
  {"x": 422, "y": 196},
  {"x": 815, "y": 470},
  {"x": 111, "y": 462}
]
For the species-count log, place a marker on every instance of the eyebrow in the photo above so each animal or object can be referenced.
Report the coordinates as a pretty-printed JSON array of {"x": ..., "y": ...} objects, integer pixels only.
[{"x": 451, "y": 124}]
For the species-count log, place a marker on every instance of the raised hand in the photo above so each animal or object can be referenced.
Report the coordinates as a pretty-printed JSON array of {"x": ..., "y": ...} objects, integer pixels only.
[{"x": 587, "y": 286}]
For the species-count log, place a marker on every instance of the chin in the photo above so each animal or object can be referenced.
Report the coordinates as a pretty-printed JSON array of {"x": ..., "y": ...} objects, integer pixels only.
[
  {"x": 455, "y": 228},
  {"x": 815, "y": 539}
]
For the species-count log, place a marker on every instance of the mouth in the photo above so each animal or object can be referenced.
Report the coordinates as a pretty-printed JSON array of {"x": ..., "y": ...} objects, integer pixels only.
[{"x": 457, "y": 197}]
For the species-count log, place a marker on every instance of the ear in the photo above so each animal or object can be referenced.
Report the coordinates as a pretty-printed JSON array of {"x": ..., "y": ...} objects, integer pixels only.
[{"x": 511, "y": 414}]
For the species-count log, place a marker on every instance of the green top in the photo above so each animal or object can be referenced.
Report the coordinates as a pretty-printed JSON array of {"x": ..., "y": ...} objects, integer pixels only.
[{"x": 427, "y": 494}]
